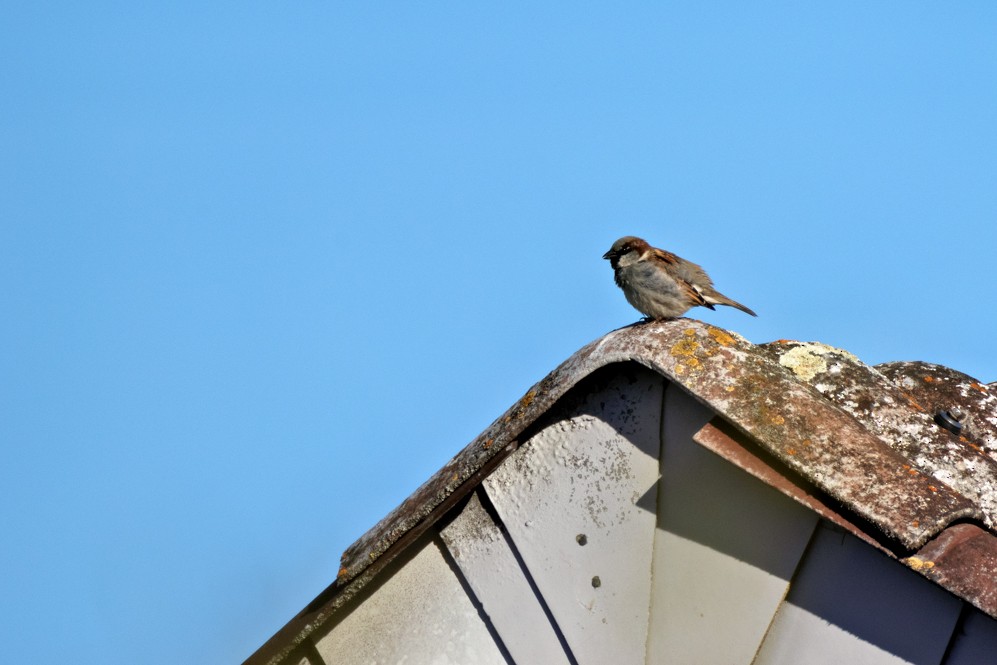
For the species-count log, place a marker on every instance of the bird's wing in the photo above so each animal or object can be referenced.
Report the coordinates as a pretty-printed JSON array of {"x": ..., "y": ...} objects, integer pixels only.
[{"x": 691, "y": 278}]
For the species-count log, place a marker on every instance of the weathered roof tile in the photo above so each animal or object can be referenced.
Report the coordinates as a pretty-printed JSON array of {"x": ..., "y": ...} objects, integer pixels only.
[
  {"x": 902, "y": 419},
  {"x": 936, "y": 388}
]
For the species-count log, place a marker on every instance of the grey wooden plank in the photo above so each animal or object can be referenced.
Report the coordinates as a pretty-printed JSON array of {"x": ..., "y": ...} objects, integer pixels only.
[
  {"x": 852, "y": 603},
  {"x": 420, "y": 614},
  {"x": 725, "y": 549},
  {"x": 493, "y": 572},
  {"x": 578, "y": 500}
]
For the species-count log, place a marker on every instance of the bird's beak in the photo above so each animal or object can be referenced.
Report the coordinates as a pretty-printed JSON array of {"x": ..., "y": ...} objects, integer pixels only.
[{"x": 609, "y": 255}]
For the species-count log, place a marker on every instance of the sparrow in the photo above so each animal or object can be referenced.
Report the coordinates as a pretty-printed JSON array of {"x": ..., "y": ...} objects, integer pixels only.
[{"x": 661, "y": 285}]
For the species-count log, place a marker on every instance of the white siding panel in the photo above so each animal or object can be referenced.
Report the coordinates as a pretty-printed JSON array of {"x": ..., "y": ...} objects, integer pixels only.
[
  {"x": 479, "y": 548},
  {"x": 850, "y": 603},
  {"x": 419, "y": 615},
  {"x": 975, "y": 641},
  {"x": 799, "y": 636},
  {"x": 726, "y": 547},
  {"x": 578, "y": 501}
]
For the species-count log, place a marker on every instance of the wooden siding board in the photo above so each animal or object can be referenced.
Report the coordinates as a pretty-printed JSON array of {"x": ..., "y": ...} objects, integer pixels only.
[
  {"x": 573, "y": 501},
  {"x": 491, "y": 569},
  {"x": 975, "y": 640},
  {"x": 798, "y": 636},
  {"x": 420, "y": 614},
  {"x": 725, "y": 549},
  {"x": 852, "y": 603}
]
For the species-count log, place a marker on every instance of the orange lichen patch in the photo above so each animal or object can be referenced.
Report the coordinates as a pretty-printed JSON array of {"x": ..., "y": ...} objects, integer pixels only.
[
  {"x": 980, "y": 387},
  {"x": 932, "y": 488},
  {"x": 685, "y": 347},
  {"x": 769, "y": 415},
  {"x": 929, "y": 379},
  {"x": 488, "y": 443},
  {"x": 918, "y": 563},
  {"x": 790, "y": 451},
  {"x": 342, "y": 574},
  {"x": 527, "y": 399},
  {"x": 689, "y": 332},
  {"x": 722, "y": 337},
  {"x": 916, "y": 524},
  {"x": 729, "y": 389},
  {"x": 690, "y": 365},
  {"x": 807, "y": 442},
  {"x": 913, "y": 402},
  {"x": 784, "y": 341}
]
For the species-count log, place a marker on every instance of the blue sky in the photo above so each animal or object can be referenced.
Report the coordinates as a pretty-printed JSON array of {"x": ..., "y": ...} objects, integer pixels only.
[{"x": 267, "y": 266}]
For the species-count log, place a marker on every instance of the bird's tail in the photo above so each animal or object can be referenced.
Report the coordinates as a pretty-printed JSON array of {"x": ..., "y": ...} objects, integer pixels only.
[{"x": 720, "y": 299}]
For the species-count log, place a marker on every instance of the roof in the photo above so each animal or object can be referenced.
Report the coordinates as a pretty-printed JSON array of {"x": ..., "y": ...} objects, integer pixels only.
[{"x": 903, "y": 455}]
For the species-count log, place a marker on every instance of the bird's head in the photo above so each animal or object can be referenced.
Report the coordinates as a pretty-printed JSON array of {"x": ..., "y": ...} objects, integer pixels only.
[{"x": 630, "y": 247}]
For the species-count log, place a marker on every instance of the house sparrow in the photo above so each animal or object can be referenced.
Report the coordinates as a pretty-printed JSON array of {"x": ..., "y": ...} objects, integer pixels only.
[{"x": 661, "y": 285}]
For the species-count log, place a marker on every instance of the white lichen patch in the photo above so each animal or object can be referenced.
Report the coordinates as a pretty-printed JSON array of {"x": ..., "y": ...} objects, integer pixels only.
[{"x": 809, "y": 360}]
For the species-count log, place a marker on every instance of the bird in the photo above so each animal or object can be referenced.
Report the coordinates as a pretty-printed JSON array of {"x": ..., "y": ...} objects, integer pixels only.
[{"x": 661, "y": 285}]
